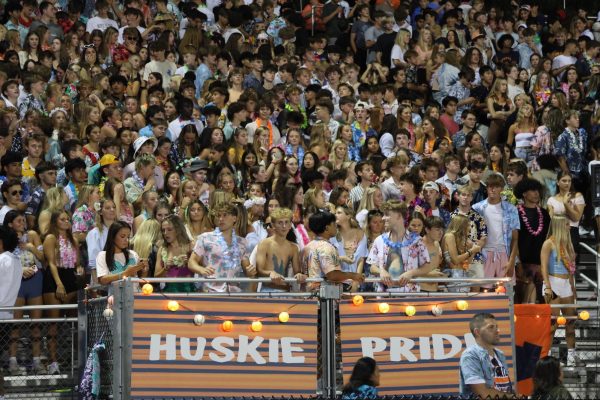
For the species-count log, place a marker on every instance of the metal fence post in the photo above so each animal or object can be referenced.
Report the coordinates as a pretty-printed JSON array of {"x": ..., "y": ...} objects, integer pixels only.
[
  {"x": 82, "y": 334},
  {"x": 598, "y": 279},
  {"x": 126, "y": 321},
  {"x": 329, "y": 294}
]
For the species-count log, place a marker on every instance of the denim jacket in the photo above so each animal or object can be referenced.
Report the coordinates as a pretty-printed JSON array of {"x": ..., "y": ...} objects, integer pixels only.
[{"x": 475, "y": 363}]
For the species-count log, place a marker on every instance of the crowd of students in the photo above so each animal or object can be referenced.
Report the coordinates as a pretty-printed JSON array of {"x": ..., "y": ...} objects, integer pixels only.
[{"x": 340, "y": 140}]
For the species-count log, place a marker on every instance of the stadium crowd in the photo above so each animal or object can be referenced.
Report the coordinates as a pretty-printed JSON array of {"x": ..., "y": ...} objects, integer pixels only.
[{"x": 344, "y": 139}]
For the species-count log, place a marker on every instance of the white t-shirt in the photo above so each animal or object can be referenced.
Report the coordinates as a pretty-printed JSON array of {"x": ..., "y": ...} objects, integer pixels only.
[
  {"x": 166, "y": 68},
  {"x": 11, "y": 273},
  {"x": 122, "y": 29},
  {"x": 561, "y": 61},
  {"x": 100, "y": 23},
  {"x": 493, "y": 220},
  {"x": 3, "y": 211},
  {"x": 102, "y": 268}
]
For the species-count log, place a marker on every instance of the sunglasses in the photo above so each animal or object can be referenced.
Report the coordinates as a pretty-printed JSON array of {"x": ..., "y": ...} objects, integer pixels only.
[
  {"x": 88, "y": 46},
  {"x": 131, "y": 38},
  {"x": 16, "y": 192}
]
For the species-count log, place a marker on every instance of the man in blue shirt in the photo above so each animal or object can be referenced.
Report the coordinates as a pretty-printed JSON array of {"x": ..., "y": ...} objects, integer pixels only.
[{"x": 483, "y": 369}]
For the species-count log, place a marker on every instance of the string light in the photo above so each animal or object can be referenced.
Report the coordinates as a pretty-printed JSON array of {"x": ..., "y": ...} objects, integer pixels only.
[
  {"x": 500, "y": 289},
  {"x": 584, "y": 315},
  {"x": 147, "y": 289},
  {"x": 173, "y": 305},
  {"x": 283, "y": 317},
  {"x": 462, "y": 305},
  {"x": 199, "y": 319},
  {"x": 437, "y": 310},
  {"x": 358, "y": 300},
  {"x": 410, "y": 311},
  {"x": 108, "y": 313},
  {"x": 561, "y": 320},
  {"x": 227, "y": 326},
  {"x": 383, "y": 308},
  {"x": 256, "y": 326}
]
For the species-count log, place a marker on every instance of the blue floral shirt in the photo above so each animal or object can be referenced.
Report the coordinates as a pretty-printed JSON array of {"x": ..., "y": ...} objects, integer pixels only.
[
  {"x": 573, "y": 148},
  {"x": 363, "y": 392}
]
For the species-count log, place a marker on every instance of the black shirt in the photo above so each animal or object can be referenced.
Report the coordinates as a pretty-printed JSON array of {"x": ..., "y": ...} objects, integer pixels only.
[{"x": 530, "y": 246}]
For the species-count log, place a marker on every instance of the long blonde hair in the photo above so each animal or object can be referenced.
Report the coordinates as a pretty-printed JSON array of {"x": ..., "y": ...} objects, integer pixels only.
[
  {"x": 402, "y": 34},
  {"x": 495, "y": 91},
  {"x": 147, "y": 234},
  {"x": 54, "y": 199},
  {"x": 84, "y": 195},
  {"x": 368, "y": 200},
  {"x": 332, "y": 157},
  {"x": 459, "y": 228},
  {"x": 560, "y": 234}
]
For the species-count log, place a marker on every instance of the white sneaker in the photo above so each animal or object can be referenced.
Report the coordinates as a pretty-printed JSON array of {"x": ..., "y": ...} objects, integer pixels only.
[
  {"x": 53, "y": 369},
  {"x": 13, "y": 366},
  {"x": 38, "y": 368}
]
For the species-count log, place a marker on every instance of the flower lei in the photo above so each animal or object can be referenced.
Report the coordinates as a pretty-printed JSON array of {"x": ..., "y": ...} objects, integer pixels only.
[
  {"x": 562, "y": 254},
  {"x": 138, "y": 181},
  {"x": 521, "y": 209},
  {"x": 543, "y": 96},
  {"x": 397, "y": 246},
  {"x": 575, "y": 142},
  {"x": 230, "y": 254}
]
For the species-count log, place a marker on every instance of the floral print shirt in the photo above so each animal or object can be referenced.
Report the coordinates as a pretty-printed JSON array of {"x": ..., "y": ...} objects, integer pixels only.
[
  {"x": 83, "y": 219},
  {"x": 320, "y": 257},
  {"x": 411, "y": 257},
  {"x": 573, "y": 147},
  {"x": 225, "y": 259},
  {"x": 477, "y": 230}
]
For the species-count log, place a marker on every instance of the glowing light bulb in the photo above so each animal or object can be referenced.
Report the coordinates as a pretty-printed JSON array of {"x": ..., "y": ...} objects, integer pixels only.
[
  {"x": 383, "y": 308},
  {"x": 500, "y": 289},
  {"x": 173, "y": 305},
  {"x": 561, "y": 320},
  {"x": 584, "y": 315},
  {"x": 410, "y": 311},
  {"x": 437, "y": 310},
  {"x": 462, "y": 305},
  {"x": 283, "y": 317},
  {"x": 227, "y": 326},
  {"x": 147, "y": 289},
  {"x": 358, "y": 300},
  {"x": 256, "y": 326}
]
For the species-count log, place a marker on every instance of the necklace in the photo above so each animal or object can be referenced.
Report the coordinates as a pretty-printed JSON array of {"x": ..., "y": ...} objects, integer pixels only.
[
  {"x": 521, "y": 209},
  {"x": 397, "y": 246},
  {"x": 138, "y": 181},
  {"x": 231, "y": 255},
  {"x": 575, "y": 141},
  {"x": 562, "y": 255}
]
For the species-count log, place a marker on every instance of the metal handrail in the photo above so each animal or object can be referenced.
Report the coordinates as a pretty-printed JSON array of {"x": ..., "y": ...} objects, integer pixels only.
[
  {"x": 37, "y": 320},
  {"x": 588, "y": 280},
  {"x": 41, "y": 307},
  {"x": 313, "y": 280}
]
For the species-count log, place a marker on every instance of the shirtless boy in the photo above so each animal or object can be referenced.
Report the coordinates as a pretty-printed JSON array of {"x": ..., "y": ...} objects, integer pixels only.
[{"x": 275, "y": 254}]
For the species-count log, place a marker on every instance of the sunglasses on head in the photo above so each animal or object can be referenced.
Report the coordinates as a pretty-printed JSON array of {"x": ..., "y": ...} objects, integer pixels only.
[{"x": 88, "y": 46}]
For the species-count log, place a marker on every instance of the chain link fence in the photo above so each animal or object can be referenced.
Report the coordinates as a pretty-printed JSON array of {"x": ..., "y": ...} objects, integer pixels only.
[
  {"x": 38, "y": 358},
  {"x": 99, "y": 330}
]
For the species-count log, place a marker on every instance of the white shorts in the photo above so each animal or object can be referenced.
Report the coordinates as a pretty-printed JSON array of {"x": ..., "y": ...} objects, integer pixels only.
[
  {"x": 475, "y": 270},
  {"x": 560, "y": 286}
]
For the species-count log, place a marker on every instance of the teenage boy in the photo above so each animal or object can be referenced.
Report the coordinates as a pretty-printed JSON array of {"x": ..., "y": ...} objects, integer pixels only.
[
  {"x": 398, "y": 256},
  {"x": 276, "y": 254},
  {"x": 434, "y": 232},
  {"x": 461, "y": 90},
  {"x": 448, "y": 117},
  {"x": 265, "y": 110},
  {"x": 293, "y": 95},
  {"x": 207, "y": 258},
  {"x": 563, "y": 61},
  {"x": 190, "y": 61},
  {"x": 185, "y": 108},
  {"x": 473, "y": 181},
  {"x": 102, "y": 20},
  {"x": 477, "y": 231},
  {"x": 361, "y": 129},
  {"x": 236, "y": 116},
  {"x": 536, "y": 223},
  {"x": 319, "y": 257},
  {"x": 390, "y": 188},
  {"x": 432, "y": 196},
  {"x": 206, "y": 69},
  {"x": 323, "y": 111},
  {"x": 516, "y": 171},
  {"x": 45, "y": 173},
  {"x": 450, "y": 178},
  {"x": 502, "y": 219},
  {"x": 254, "y": 78},
  {"x": 365, "y": 173},
  {"x": 160, "y": 64},
  {"x": 35, "y": 145},
  {"x": 469, "y": 121},
  {"x": 75, "y": 170}
]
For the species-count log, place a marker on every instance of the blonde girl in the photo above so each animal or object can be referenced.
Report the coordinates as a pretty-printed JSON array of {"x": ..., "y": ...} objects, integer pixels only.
[
  {"x": 558, "y": 268},
  {"x": 54, "y": 201},
  {"x": 500, "y": 108},
  {"x": 522, "y": 133},
  {"x": 424, "y": 46},
  {"x": 260, "y": 144},
  {"x": 339, "y": 154},
  {"x": 400, "y": 47}
]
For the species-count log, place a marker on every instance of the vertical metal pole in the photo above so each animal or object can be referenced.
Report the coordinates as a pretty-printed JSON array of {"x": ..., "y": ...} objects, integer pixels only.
[
  {"x": 598, "y": 280},
  {"x": 82, "y": 328},
  {"x": 329, "y": 294},
  {"x": 511, "y": 303},
  {"x": 126, "y": 321}
]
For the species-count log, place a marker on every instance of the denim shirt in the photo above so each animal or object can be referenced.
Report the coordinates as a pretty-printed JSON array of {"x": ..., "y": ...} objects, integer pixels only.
[
  {"x": 475, "y": 363},
  {"x": 510, "y": 220}
]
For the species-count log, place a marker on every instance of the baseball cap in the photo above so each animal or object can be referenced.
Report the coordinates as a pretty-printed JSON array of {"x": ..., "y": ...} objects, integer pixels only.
[
  {"x": 431, "y": 186},
  {"x": 362, "y": 104},
  {"x": 108, "y": 159}
]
